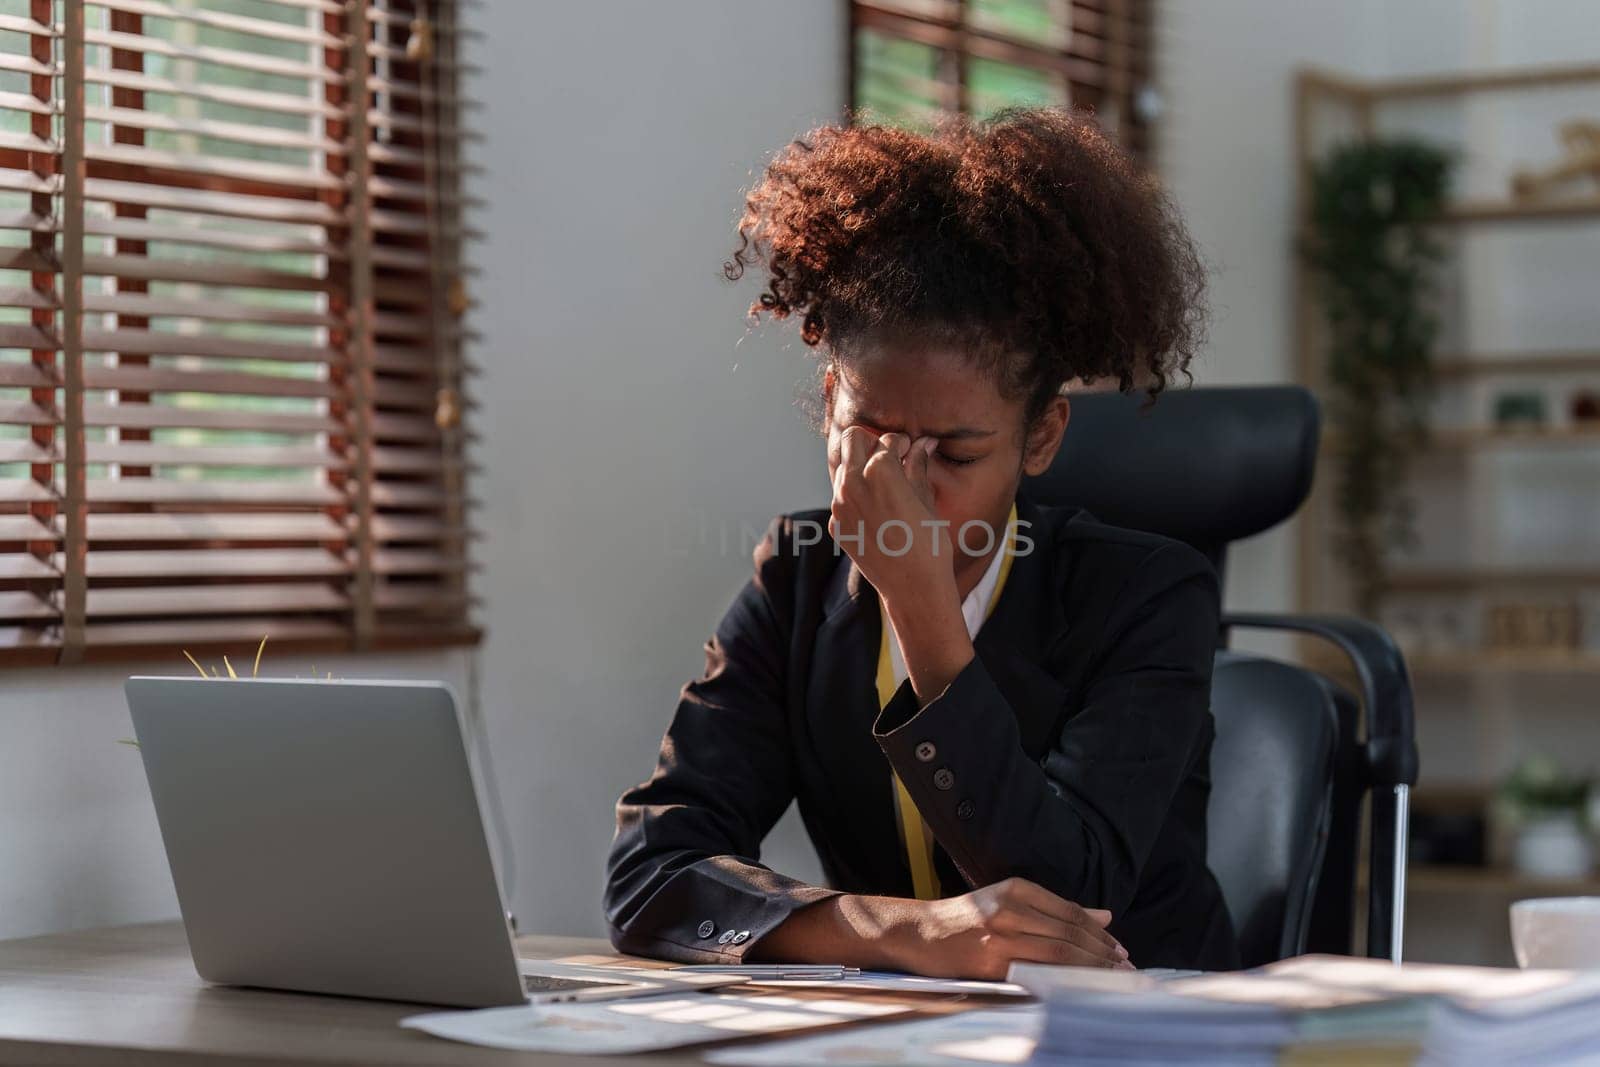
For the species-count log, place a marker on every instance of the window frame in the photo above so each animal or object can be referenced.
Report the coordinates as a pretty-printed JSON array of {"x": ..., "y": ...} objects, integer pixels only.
[
  {"x": 1103, "y": 60},
  {"x": 397, "y": 300}
]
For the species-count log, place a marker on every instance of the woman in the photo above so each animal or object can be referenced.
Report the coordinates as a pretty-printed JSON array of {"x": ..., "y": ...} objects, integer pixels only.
[{"x": 994, "y": 716}]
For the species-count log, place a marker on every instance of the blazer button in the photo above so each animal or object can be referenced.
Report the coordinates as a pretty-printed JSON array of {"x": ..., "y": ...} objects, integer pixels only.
[
  {"x": 741, "y": 937},
  {"x": 708, "y": 928},
  {"x": 727, "y": 935},
  {"x": 926, "y": 751},
  {"x": 944, "y": 778},
  {"x": 965, "y": 810}
]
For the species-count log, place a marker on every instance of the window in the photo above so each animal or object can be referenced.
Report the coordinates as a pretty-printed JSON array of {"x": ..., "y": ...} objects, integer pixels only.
[
  {"x": 232, "y": 311},
  {"x": 913, "y": 60}
]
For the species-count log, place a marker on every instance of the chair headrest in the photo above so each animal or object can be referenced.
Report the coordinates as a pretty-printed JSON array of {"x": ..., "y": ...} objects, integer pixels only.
[{"x": 1206, "y": 465}]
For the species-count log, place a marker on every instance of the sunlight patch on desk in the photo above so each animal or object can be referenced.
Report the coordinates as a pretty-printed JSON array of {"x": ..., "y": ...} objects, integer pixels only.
[{"x": 649, "y": 1023}]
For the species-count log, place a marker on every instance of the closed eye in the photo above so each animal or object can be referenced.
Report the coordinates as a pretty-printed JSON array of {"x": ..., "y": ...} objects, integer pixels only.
[{"x": 958, "y": 461}]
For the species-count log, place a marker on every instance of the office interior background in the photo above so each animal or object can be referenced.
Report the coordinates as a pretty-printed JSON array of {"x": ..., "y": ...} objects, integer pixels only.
[{"x": 628, "y": 431}]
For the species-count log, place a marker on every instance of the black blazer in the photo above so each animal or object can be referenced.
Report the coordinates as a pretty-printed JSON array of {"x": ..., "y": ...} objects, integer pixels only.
[{"x": 1079, "y": 737}]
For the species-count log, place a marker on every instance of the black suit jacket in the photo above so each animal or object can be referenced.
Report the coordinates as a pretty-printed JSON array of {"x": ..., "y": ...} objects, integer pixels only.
[{"x": 1079, "y": 738}]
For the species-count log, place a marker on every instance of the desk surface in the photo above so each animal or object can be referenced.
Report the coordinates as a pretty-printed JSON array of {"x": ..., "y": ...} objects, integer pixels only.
[{"x": 129, "y": 995}]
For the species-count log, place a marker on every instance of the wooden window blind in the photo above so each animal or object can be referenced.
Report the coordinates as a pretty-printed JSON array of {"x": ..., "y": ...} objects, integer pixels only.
[
  {"x": 914, "y": 60},
  {"x": 233, "y": 398}
]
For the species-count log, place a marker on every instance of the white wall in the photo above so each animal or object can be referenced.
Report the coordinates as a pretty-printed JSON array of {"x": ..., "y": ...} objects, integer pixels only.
[
  {"x": 621, "y": 409},
  {"x": 1225, "y": 150}
]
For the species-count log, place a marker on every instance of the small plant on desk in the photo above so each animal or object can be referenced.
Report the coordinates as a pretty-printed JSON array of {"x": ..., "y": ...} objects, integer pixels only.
[{"x": 255, "y": 671}]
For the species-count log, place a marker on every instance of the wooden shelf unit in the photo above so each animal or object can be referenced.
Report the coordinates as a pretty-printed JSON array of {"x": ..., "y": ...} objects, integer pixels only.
[
  {"x": 1496, "y": 881},
  {"x": 1463, "y": 438},
  {"x": 1473, "y": 211},
  {"x": 1483, "y": 673},
  {"x": 1454, "y": 579},
  {"x": 1456, "y": 439},
  {"x": 1430, "y": 665},
  {"x": 1448, "y": 365},
  {"x": 1362, "y": 98}
]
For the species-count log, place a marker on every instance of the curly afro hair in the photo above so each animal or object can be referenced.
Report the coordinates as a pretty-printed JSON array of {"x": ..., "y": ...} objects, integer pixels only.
[{"x": 1030, "y": 241}]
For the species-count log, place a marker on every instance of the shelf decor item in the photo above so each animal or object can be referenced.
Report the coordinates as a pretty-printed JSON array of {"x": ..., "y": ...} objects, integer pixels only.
[
  {"x": 1548, "y": 812},
  {"x": 1519, "y": 409},
  {"x": 1586, "y": 408},
  {"x": 1534, "y": 627},
  {"x": 1372, "y": 251},
  {"x": 1580, "y": 143}
]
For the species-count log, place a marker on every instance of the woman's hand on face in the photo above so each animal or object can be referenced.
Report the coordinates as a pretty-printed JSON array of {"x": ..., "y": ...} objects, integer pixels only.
[
  {"x": 883, "y": 512},
  {"x": 979, "y": 934}
]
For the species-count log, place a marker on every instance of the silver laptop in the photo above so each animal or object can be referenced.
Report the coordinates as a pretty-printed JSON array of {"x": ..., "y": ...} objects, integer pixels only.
[{"x": 325, "y": 836}]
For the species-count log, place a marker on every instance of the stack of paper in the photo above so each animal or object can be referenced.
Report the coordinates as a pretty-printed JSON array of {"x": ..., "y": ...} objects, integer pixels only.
[{"x": 1324, "y": 1008}]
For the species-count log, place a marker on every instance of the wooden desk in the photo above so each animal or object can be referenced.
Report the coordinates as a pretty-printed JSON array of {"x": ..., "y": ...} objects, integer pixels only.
[{"x": 128, "y": 995}]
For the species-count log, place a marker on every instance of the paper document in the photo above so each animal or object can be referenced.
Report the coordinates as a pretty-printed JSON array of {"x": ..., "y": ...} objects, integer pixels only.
[
  {"x": 1324, "y": 1004},
  {"x": 646, "y": 1023},
  {"x": 992, "y": 1035}
]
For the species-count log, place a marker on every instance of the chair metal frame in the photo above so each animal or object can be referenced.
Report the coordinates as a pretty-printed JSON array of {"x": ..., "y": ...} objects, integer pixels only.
[{"x": 1390, "y": 755}]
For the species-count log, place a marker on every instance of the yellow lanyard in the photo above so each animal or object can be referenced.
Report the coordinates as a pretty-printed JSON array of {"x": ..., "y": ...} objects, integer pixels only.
[{"x": 913, "y": 828}]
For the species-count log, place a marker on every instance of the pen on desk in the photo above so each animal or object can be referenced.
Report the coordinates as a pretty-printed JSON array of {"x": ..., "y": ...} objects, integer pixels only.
[{"x": 775, "y": 970}]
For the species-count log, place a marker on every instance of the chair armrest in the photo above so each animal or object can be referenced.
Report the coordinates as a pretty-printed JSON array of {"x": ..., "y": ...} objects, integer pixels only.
[{"x": 1391, "y": 746}]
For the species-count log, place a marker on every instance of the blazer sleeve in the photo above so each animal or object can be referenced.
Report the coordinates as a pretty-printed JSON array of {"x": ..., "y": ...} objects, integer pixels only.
[
  {"x": 684, "y": 879},
  {"x": 1082, "y": 820}
]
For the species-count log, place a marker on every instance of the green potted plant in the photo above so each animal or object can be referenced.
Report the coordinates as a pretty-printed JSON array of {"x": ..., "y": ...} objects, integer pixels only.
[
  {"x": 1547, "y": 810},
  {"x": 1373, "y": 253}
]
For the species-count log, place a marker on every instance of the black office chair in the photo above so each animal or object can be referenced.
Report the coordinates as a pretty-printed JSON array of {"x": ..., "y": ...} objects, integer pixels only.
[{"x": 1296, "y": 753}]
